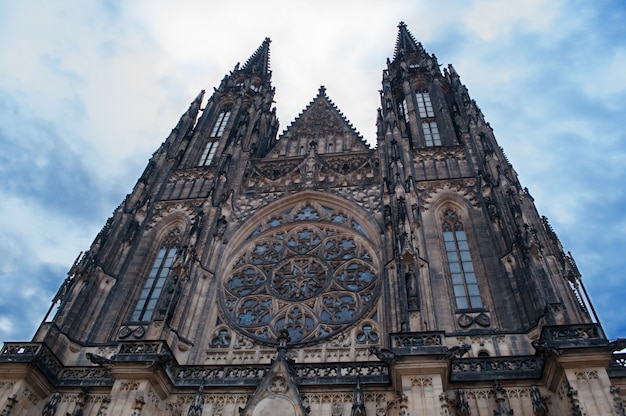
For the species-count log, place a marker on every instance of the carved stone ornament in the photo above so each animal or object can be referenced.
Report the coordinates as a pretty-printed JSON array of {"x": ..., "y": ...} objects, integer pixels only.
[
  {"x": 277, "y": 385},
  {"x": 482, "y": 319},
  {"x": 465, "y": 320},
  {"x": 124, "y": 332}
]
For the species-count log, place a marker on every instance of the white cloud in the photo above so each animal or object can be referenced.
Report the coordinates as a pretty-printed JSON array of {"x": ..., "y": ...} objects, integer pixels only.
[{"x": 492, "y": 19}]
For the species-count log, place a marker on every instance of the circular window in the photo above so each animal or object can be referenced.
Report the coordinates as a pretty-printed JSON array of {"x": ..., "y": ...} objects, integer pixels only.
[{"x": 311, "y": 277}]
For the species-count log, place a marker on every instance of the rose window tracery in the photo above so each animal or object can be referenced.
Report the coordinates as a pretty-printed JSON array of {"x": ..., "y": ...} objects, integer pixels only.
[{"x": 310, "y": 270}]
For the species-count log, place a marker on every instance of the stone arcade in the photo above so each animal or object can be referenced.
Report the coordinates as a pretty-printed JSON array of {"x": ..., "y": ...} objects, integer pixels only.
[{"x": 309, "y": 274}]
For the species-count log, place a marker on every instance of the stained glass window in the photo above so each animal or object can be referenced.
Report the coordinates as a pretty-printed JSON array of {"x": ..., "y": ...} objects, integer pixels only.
[
  {"x": 462, "y": 273},
  {"x": 220, "y": 124},
  {"x": 151, "y": 291}
]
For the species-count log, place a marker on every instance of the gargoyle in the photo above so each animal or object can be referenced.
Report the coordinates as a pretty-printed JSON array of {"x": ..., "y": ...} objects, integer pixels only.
[
  {"x": 457, "y": 351},
  {"x": 544, "y": 347},
  {"x": 98, "y": 359},
  {"x": 383, "y": 354}
]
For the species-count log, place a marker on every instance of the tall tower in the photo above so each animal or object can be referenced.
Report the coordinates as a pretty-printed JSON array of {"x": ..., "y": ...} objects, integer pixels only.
[{"x": 309, "y": 274}]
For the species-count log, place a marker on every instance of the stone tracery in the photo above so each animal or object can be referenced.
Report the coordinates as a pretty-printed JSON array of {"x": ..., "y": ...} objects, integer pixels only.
[{"x": 308, "y": 270}]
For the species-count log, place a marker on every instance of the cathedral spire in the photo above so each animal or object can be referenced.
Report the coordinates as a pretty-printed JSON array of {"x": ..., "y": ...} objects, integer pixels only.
[
  {"x": 405, "y": 42},
  {"x": 259, "y": 62}
]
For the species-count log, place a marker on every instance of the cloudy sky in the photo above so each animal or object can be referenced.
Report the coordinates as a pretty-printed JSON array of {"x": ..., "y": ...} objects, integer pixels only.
[{"x": 89, "y": 89}]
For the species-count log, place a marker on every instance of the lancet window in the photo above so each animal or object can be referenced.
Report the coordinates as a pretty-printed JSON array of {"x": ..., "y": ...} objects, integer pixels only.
[
  {"x": 462, "y": 273},
  {"x": 424, "y": 105},
  {"x": 404, "y": 111},
  {"x": 149, "y": 296},
  {"x": 427, "y": 115},
  {"x": 208, "y": 153},
  {"x": 431, "y": 133},
  {"x": 220, "y": 124}
]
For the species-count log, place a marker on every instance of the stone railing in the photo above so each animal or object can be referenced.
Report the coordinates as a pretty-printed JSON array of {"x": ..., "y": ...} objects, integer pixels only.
[
  {"x": 217, "y": 375},
  {"x": 347, "y": 373},
  {"x": 414, "y": 343},
  {"x": 304, "y": 374},
  {"x": 574, "y": 336},
  {"x": 617, "y": 368},
  {"x": 43, "y": 359},
  {"x": 497, "y": 368},
  {"x": 141, "y": 348},
  {"x": 159, "y": 355}
]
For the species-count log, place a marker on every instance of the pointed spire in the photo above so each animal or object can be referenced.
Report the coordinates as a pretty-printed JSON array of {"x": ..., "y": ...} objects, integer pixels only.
[
  {"x": 405, "y": 42},
  {"x": 259, "y": 62}
]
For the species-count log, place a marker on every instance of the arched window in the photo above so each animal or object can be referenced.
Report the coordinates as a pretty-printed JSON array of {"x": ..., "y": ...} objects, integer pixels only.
[
  {"x": 460, "y": 263},
  {"x": 427, "y": 116},
  {"x": 424, "y": 105},
  {"x": 209, "y": 152},
  {"x": 220, "y": 124},
  {"x": 149, "y": 297}
]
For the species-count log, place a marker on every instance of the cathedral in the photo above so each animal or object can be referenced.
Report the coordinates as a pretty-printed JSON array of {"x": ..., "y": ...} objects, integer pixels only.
[{"x": 259, "y": 272}]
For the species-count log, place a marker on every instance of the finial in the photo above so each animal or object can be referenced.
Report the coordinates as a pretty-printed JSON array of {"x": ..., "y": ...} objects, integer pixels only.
[{"x": 322, "y": 90}]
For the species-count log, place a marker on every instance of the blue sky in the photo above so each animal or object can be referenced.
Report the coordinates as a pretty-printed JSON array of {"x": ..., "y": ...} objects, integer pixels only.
[{"x": 88, "y": 90}]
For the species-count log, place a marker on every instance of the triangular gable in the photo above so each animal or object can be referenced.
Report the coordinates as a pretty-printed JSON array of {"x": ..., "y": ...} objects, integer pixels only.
[
  {"x": 278, "y": 394},
  {"x": 320, "y": 122}
]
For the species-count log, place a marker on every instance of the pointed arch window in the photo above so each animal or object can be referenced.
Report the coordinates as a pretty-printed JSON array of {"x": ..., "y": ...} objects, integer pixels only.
[
  {"x": 404, "y": 111},
  {"x": 220, "y": 124},
  {"x": 460, "y": 263},
  {"x": 429, "y": 123},
  {"x": 424, "y": 106},
  {"x": 208, "y": 153},
  {"x": 149, "y": 297},
  {"x": 431, "y": 133}
]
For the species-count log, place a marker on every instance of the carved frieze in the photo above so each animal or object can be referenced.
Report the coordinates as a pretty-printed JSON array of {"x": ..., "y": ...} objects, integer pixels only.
[
  {"x": 466, "y": 188},
  {"x": 163, "y": 209},
  {"x": 313, "y": 169},
  {"x": 439, "y": 154},
  {"x": 245, "y": 205}
]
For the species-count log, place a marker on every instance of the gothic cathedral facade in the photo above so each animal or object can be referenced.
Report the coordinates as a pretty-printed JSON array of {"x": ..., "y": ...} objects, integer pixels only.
[{"x": 306, "y": 273}]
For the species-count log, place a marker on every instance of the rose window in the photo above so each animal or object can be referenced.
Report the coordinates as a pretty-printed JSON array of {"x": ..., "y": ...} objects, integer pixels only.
[{"x": 311, "y": 272}]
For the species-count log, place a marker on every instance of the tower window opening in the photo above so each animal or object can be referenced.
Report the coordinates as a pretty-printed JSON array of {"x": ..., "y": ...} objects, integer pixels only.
[
  {"x": 208, "y": 153},
  {"x": 460, "y": 263},
  {"x": 404, "y": 111},
  {"x": 154, "y": 285},
  {"x": 424, "y": 106},
  {"x": 220, "y": 124},
  {"x": 431, "y": 134}
]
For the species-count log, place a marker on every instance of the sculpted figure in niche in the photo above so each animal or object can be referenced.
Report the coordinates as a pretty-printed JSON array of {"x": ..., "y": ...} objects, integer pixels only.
[
  {"x": 411, "y": 284},
  {"x": 221, "y": 227},
  {"x": 540, "y": 407},
  {"x": 337, "y": 409},
  {"x": 50, "y": 407}
]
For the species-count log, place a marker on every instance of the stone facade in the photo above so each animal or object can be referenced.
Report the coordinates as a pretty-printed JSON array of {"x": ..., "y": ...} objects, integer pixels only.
[{"x": 309, "y": 274}]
